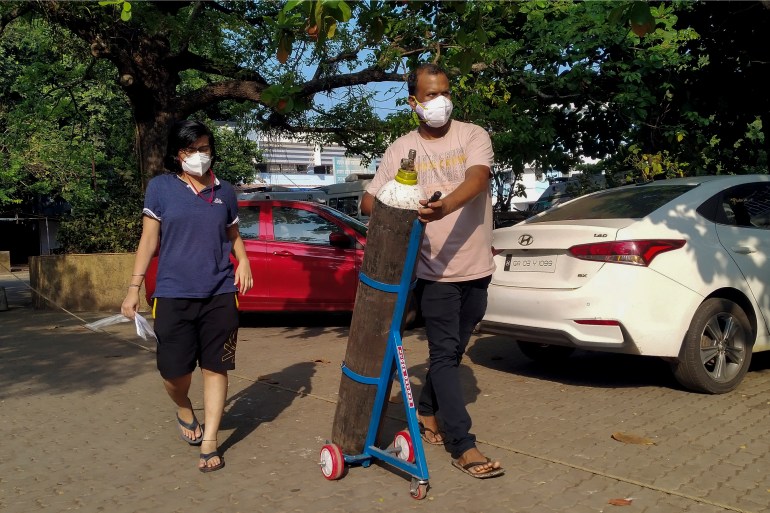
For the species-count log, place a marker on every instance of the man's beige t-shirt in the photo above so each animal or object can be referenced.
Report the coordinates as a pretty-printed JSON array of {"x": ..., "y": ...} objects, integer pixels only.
[{"x": 459, "y": 246}]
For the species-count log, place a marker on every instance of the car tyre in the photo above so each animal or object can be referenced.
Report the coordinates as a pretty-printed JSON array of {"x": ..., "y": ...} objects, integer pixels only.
[
  {"x": 545, "y": 352},
  {"x": 716, "y": 351}
]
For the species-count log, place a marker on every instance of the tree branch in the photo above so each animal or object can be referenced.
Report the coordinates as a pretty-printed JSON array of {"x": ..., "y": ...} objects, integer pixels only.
[
  {"x": 238, "y": 90},
  {"x": 254, "y": 22},
  {"x": 358, "y": 78},
  {"x": 189, "y": 60},
  {"x": 194, "y": 14}
]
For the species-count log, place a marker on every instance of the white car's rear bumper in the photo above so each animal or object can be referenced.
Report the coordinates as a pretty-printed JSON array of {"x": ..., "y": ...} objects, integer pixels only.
[{"x": 653, "y": 312}]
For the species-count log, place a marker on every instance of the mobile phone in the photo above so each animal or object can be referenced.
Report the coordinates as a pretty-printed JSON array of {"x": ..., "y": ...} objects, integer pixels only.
[{"x": 436, "y": 196}]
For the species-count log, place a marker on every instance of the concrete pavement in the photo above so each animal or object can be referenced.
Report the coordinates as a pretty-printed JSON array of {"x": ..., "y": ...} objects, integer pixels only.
[{"x": 87, "y": 427}]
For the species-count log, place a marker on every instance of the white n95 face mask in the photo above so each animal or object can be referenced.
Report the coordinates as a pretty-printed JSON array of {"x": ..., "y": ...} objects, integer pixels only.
[
  {"x": 435, "y": 113},
  {"x": 196, "y": 164}
]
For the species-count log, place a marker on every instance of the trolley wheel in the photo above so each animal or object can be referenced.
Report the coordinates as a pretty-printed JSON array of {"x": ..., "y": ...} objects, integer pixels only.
[
  {"x": 332, "y": 462},
  {"x": 403, "y": 444},
  {"x": 418, "y": 489}
]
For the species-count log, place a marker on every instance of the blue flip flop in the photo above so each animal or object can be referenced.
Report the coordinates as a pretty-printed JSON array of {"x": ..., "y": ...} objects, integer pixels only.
[
  {"x": 206, "y": 457},
  {"x": 192, "y": 426}
]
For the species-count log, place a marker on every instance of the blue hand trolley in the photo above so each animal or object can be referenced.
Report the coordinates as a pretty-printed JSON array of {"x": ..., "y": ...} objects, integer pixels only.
[{"x": 407, "y": 452}]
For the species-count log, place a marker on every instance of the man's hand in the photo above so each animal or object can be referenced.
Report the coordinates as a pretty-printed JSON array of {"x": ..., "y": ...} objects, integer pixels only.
[{"x": 430, "y": 210}]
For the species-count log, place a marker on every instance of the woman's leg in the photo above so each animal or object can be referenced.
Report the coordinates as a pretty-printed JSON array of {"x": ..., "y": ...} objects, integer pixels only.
[
  {"x": 178, "y": 390},
  {"x": 214, "y": 395}
]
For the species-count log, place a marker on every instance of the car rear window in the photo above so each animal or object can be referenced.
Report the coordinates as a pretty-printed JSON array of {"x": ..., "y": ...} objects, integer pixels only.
[{"x": 626, "y": 202}]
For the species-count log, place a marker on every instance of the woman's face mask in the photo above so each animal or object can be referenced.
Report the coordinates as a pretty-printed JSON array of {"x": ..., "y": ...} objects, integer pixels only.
[
  {"x": 196, "y": 164},
  {"x": 435, "y": 113}
]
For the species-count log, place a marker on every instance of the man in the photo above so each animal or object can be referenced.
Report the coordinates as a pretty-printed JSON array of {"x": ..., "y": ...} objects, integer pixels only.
[{"x": 455, "y": 264}]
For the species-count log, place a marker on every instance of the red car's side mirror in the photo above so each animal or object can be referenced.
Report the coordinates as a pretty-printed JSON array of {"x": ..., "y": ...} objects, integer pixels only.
[{"x": 340, "y": 240}]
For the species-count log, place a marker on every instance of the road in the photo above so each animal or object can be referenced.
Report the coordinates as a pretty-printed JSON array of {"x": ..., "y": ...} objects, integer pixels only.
[{"x": 87, "y": 427}]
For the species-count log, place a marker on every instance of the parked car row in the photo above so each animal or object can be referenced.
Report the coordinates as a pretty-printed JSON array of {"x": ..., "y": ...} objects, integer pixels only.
[{"x": 671, "y": 268}]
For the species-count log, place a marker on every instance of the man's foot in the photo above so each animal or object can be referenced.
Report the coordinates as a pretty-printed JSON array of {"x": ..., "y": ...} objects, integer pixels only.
[
  {"x": 429, "y": 430},
  {"x": 189, "y": 429},
  {"x": 210, "y": 459},
  {"x": 475, "y": 464}
]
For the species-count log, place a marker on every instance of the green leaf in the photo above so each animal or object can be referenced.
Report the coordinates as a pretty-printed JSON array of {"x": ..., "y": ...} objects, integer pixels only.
[
  {"x": 481, "y": 36},
  {"x": 640, "y": 14},
  {"x": 271, "y": 94},
  {"x": 125, "y": 15},
  {"x": 618, "y": 14},
  {"x": 331, "y": 29},
  {"x": 346, "y": 12},
  {"x": 291, "y": 4}
]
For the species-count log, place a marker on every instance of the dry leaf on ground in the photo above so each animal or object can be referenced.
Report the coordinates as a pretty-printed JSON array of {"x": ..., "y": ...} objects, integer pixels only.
[
  {"x": 620, "y": 502},
  {"x": 628, "y": 438}
]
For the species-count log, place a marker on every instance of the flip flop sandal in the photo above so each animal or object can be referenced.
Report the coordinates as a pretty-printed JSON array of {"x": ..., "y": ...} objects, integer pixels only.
[
  {"x": 479, "y": 475},
  {"x": 206, "y": 457},
  {"x": 192, "y": 426},
  {"x": 434, "y": 434}
]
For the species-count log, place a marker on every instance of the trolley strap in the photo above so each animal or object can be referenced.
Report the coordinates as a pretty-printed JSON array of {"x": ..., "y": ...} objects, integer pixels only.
[
  {"x": 358, "y": 377},
  {"x": 385, "y": 287}
]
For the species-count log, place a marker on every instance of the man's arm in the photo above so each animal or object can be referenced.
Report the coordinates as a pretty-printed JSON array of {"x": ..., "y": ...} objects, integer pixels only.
[{"x": 367, "y": 202}]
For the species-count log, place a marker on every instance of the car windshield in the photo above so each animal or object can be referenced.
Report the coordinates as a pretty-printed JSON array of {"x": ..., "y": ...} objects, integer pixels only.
[
  {"x": 624, "y": 203},
  {"x": 357, "y": 225}
]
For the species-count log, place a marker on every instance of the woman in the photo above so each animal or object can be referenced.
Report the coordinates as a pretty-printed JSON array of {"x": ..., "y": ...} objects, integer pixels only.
[{"x": 195, "y": 305}]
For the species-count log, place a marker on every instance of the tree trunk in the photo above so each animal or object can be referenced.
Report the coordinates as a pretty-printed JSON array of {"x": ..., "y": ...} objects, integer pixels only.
[{"x": 152, "y": 135}]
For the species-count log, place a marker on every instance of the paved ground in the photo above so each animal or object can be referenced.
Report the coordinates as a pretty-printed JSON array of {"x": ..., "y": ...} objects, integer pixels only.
[{"x": 86, "y": 427}]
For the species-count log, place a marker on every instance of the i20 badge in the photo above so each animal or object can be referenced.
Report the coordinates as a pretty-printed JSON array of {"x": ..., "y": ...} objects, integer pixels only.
[{"x": 526, "y": 240}]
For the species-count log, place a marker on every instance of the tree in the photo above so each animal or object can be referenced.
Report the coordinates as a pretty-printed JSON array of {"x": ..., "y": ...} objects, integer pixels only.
[
  {"x": 553, "y": 81},
  {"x": 165, "y": 45},
  {"x": 66, "y": 139}
]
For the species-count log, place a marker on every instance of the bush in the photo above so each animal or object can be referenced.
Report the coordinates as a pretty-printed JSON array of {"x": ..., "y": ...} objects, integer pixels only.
[{"x": 114, "y": 228}]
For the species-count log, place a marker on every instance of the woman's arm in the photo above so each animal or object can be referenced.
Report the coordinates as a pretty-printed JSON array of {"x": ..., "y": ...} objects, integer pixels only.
[
  {"x": 243, "y": 279},
  {"x": 148, "y": 244}
]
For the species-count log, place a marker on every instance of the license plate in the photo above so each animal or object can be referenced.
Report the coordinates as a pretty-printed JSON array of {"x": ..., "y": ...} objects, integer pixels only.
[{"x": 532, "y": 264}]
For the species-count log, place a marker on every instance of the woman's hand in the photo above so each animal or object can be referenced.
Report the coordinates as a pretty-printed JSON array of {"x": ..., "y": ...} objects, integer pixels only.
[
  {"x": 128, "y": 308},
  {"x": 243, "y": 279}
]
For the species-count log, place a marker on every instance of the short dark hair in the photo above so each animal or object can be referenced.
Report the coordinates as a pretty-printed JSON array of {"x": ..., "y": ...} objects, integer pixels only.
[
  {"x": 426, "y": 67},
  {"x": 182, "y": 135}
]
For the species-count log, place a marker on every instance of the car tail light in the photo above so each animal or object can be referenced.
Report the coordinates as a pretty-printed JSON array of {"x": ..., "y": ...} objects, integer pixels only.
[
  {"x": 633, "y": 252},
  {"x": 496, "y": 251}
]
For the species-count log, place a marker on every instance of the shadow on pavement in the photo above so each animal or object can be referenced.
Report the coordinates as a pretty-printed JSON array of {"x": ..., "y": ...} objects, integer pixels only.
[
  {"x": 258, "y": 403},
  {"x": 295, "y": 319},
  {"x": 583, "y": 368},
  {"x": 50, "y": 353}
]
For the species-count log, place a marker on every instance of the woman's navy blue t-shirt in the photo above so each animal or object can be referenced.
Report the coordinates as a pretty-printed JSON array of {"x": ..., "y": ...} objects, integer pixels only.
[{"x": 194, "y": 258}]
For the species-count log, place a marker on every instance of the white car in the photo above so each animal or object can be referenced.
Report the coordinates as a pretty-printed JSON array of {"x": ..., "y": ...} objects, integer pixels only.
[{"x": 672, "y": 268}]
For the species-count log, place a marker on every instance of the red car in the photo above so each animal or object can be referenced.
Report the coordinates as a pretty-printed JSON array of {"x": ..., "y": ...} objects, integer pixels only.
[{"x": 304, "y": 256}]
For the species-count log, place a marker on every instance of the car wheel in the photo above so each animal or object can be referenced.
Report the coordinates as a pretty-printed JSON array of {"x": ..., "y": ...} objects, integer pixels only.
[
  {"x": 716, "y": 351},
  {"x": 544, "y": 352}
]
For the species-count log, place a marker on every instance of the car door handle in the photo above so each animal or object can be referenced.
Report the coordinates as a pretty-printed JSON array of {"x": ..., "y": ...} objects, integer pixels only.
[
  {"x": 283, "y": 253},
  {"x": 743, "y": 250}
]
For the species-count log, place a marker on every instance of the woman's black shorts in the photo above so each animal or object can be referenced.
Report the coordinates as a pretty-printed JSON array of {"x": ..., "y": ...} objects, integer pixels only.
[{"x": 194, "y": 331}]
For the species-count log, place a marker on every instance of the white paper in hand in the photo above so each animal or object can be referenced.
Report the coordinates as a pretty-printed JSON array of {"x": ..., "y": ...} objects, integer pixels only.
[{"x": 143, "y": 328}]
